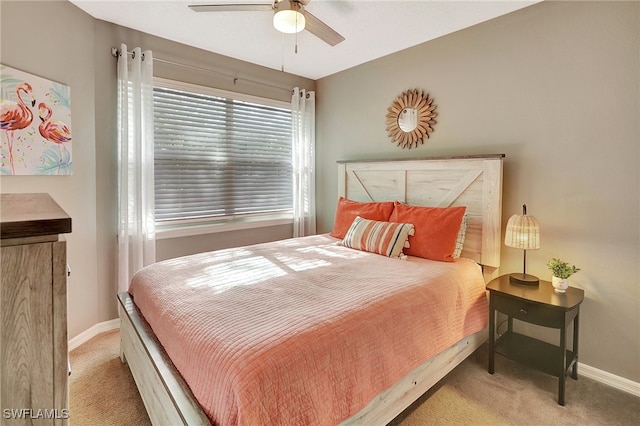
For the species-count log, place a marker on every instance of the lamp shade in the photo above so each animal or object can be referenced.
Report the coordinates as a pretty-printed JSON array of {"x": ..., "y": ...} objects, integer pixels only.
[
  {"x": 288, "y": 18},
  {"x": 523, "y": 232}
]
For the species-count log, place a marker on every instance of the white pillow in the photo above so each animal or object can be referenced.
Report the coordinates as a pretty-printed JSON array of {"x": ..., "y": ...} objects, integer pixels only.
[{"x": 462, "y": 232}]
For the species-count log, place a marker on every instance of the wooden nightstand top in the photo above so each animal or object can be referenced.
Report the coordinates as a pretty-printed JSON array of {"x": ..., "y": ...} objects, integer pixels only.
[{"x": 542, "y": 293}]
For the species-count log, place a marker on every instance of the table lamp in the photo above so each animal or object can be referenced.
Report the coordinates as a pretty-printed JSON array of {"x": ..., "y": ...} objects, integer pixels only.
[{"x": 523, "y": 233}]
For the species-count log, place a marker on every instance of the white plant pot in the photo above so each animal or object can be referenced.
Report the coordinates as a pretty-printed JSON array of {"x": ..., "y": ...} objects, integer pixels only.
[{"x": 560, "y": 285}]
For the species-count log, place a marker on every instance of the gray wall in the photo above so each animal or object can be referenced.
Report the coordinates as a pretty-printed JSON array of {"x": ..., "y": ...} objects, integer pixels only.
[
  {"x": 555, "y": 87},
  {"x": 58, "y": 41}
]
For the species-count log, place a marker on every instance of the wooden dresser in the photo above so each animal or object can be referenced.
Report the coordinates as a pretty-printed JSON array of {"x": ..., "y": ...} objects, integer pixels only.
[{"x": 33, "y": 311}]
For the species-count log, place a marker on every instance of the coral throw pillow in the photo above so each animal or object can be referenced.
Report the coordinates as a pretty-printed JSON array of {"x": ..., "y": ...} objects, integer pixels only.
[
  {"x": 385, "y": 238},
  {"x": 347, "y": 210},
  {"x": 436, "y": 229}
]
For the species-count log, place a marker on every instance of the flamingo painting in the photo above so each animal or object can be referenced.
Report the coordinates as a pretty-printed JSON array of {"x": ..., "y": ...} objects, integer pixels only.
[
  {"x": 16, "y": 116},
  {"x": 34, "y": 147}
]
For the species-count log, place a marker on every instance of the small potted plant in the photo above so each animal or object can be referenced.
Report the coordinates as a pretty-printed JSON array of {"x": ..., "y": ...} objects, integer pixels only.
[{"x": 561, "y": 273}]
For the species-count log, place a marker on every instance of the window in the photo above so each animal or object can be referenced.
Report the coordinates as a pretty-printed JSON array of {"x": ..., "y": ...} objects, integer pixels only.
[{"x": 219, "y": 155}]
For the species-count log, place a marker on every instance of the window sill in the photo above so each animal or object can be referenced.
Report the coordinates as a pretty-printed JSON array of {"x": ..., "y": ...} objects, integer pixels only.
[{"x": 187, "y": 230}]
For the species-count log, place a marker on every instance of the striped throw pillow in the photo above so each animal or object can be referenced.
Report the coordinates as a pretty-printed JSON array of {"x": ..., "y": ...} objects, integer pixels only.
[{"x": 385, "y": 238}]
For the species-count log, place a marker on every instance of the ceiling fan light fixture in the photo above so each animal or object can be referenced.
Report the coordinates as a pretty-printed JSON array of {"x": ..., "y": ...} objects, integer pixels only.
[{"x": 288, "y": 18}]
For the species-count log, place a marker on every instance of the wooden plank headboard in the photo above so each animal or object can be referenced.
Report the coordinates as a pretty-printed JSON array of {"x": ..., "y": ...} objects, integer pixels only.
[{"x": 471, "y": 181}]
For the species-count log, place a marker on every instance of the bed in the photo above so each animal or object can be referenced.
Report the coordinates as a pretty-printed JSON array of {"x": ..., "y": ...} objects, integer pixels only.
[{"x": 333, "y": 371}]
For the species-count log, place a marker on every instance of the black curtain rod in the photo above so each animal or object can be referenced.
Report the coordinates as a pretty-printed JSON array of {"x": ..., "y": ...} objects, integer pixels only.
[{"x": 115, "y": 52}]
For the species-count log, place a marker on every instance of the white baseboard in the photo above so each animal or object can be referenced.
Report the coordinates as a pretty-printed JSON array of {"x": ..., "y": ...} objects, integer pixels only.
[
  {"x": 601, "y": 376},
  {"x": 92, "y": 332},
  {"x": 609, "y": 379}
]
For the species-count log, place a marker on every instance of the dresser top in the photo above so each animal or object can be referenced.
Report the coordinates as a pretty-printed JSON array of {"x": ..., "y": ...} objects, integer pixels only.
[{"x": 31, "y": 215}]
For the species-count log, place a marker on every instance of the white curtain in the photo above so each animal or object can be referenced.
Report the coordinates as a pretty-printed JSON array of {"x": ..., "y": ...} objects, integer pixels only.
[
  {"x": 136, "y": 221},
  {"x": 303, "y": 119}
]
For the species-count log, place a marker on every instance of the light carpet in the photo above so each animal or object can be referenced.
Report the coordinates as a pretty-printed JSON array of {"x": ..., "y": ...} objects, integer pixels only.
[{"x": 102, "y": 392}]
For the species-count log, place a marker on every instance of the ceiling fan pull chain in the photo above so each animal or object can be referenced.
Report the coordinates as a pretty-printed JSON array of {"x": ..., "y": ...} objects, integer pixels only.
[
  {"x": 282, "y": 55},
  {"x": 296, "y": 48}
]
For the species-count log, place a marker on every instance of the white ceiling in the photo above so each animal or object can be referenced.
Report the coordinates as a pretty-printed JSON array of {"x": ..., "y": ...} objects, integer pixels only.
[{"x": 372, "y": 28}]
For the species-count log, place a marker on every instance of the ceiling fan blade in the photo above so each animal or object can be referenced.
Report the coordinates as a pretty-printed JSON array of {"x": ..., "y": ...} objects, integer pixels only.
[
  {"x": 321, "y": 30},
  {"x": 230, "y": 7}
]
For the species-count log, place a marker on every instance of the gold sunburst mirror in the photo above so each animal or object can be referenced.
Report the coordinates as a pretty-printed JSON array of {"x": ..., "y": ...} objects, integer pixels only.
[{"x": 410, "y": 118}]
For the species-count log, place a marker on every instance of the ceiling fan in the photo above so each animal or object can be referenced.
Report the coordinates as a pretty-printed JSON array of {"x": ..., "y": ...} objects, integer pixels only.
[{"x": 289, "y": 16}]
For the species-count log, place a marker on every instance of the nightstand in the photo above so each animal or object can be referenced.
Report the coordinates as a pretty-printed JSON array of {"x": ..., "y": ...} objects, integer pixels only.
[{"x": 539, "y": 305}]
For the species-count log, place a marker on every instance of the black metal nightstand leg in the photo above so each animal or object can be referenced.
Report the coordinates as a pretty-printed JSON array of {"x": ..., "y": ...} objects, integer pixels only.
[
  {"x": 562, "y": 376},
  {"x": 492, "y": 326},
  {"x": 576, "y": 326}
]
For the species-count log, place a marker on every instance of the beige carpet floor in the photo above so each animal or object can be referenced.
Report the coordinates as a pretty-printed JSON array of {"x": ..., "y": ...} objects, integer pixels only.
[{"x": 102, "y": 392}]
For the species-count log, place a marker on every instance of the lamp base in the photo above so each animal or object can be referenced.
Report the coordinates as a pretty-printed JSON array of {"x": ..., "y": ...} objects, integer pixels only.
[{"x": 524, "y": 279}]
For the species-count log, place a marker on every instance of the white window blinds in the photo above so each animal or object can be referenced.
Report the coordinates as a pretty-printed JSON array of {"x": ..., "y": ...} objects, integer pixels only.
[{"x": 219, "y": 157}]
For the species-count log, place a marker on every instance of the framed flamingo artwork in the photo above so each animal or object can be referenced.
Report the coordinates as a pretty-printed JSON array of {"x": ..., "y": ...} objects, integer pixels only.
[{"x": 35, "y": 120}]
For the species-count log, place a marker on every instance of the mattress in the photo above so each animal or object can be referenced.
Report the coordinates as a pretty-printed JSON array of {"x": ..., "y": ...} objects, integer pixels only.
[{"x": 303, "y": 331}]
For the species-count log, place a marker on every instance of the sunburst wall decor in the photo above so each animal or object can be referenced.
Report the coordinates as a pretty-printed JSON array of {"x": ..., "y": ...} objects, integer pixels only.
[{"x": 410, "y": 118}]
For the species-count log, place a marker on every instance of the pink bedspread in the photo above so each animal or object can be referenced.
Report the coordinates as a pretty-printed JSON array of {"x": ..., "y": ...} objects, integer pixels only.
[{"x": 303, "y": 331}]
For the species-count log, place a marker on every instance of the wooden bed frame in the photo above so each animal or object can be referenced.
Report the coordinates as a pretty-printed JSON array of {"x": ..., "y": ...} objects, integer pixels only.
[{"x": 472, "y": 181}]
